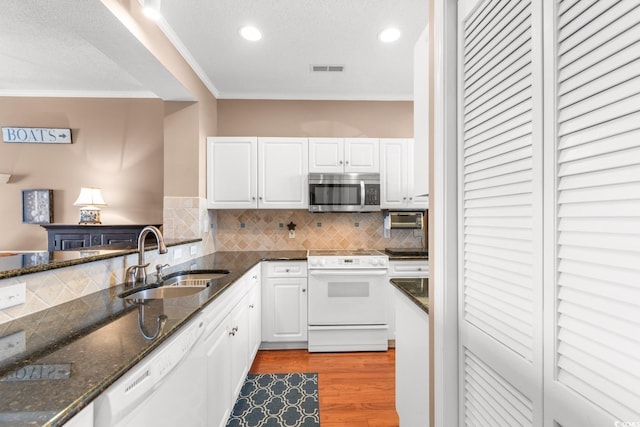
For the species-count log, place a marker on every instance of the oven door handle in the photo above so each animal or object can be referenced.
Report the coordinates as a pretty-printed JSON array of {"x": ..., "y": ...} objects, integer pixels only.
[
  {"x": 362, "y": 195},
  {"x": 363, "y": 272}
]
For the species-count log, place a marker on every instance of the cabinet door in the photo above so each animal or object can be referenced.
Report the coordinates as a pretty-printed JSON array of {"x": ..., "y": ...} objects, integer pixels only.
[
  {"x": 110, "y": 238},
  {"x": 239, "y": 330},
  {"x": 232, "y": 172},
  {"x": 394, "y": 173},
  {"x": 218, "y": 361},
  {"x": 283, "y": 173},
  {"x": 285, "y": 309},
  {"x": 412, "y": 363},
  {"x": 255, "y": 312},
  {"x": 421, "y": 118},
  {"x": 326, "y": 155},
  {"x": 361, "y": 155},
  {"x": 64, "y": 241}
]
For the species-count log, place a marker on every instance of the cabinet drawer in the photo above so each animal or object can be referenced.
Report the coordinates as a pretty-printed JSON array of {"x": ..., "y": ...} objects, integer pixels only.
[
  {"x": 287, "y": 269},
  {"x": 408, "y": 268}
]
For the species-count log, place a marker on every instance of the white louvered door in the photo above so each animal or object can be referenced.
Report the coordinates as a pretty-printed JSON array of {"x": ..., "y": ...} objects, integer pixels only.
[
  {"x": 500, "y": 287},
  {"x": 592, "y": 214}
]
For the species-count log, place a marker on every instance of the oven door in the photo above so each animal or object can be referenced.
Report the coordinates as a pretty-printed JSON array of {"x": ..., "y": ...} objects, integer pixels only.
[{"x": 347, "y": 297}]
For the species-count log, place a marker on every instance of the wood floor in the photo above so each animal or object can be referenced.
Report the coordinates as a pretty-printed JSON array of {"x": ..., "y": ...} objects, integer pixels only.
[{"x": 355, "y": 389}]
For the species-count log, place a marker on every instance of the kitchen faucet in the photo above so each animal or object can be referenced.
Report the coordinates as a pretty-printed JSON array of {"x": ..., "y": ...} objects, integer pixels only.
[{"x": 138, "y": 273}]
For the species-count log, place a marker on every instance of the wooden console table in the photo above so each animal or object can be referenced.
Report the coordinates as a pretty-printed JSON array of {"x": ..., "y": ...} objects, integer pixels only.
[{"x": 74, "y": 236}]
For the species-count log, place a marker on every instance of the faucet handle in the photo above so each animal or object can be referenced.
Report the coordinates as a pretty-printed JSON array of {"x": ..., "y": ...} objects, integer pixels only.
[
  {"x": 159, "y": 268},
  {"x": 130, "y": 274}
]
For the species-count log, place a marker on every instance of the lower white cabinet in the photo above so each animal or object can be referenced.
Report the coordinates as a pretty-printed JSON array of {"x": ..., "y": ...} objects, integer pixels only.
[
  {"x": 255, "y": 310},
  {"x": 284, "y": 301},
  {"x": 227, "y": 348},
  {"x": 403, "y": 268},
  {"x": 412, "y": 362}
]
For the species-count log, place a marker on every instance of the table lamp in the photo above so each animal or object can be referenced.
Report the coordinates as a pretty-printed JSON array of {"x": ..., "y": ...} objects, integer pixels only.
[{"x": 90, "y": 198}]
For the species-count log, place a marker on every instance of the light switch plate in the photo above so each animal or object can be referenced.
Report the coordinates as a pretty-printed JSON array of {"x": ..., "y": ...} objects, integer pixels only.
[
  {"x": 193, "y": 250},
  {"x": 13, "y": 295}
]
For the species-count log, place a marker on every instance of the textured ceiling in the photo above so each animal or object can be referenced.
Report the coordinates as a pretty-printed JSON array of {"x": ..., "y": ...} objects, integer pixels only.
[{"x": 77, "y": 47}]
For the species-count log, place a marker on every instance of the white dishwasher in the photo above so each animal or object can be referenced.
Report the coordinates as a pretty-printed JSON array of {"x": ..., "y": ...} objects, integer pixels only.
[{"x": 164, "y": 389}]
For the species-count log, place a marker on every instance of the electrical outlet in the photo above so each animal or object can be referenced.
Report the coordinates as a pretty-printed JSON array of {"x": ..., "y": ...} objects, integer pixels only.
[
  {"x": 13, "y": 295},
  {"x": 292, "y": 234},
  {"x": 177, "y": 253},
  {"x": 193, "y": 250}
]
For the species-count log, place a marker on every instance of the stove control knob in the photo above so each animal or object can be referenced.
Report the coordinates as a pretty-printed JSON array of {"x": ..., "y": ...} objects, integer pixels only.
[
  {"x": 323, "y": 262},
  {"x": 313, "y": 262}
]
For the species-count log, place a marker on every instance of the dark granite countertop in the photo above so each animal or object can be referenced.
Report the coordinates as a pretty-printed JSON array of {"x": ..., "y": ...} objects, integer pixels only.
[
  {"x": 22, "y": 263},
  {"x": 417, "y": 289},
  {"x": 56, "y": 361}
]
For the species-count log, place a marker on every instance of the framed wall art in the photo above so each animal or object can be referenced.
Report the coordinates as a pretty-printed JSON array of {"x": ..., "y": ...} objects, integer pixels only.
[{"x": 37, "y": 206}]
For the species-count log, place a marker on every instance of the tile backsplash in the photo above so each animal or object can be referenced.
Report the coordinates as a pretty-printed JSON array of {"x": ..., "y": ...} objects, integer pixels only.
[{"x": 240, "y": 230}]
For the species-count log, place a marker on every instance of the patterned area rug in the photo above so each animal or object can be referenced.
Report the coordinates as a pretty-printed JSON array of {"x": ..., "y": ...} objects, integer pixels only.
[{"x": 277, "y": 400}]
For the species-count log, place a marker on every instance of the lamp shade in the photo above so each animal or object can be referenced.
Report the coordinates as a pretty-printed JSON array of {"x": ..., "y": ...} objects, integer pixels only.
[{"x": 90, "y": 196}]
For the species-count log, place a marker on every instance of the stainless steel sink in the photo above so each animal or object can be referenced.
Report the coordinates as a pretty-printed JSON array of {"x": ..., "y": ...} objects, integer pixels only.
[{"x": 176, "y": 285}]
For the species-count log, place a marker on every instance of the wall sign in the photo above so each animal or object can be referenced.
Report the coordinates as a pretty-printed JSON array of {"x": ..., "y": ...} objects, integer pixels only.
[{"x": 36, "y": 135}]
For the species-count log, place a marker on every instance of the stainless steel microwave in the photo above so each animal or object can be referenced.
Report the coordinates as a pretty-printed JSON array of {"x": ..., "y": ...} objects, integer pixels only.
[{"x": 344, "y": 192}]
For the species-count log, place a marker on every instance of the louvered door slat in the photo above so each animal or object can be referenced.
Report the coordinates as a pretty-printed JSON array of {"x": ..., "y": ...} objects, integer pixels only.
[
  {"x": 603, "y": 38},
  {"x": 597, "y": 284},
  {"x": 497, "y": 183}
]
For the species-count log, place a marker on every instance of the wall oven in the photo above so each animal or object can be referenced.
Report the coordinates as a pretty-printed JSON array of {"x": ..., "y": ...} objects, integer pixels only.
[
  {"x": 344, "y": 192},
  {"x": 347, "y": 301}
]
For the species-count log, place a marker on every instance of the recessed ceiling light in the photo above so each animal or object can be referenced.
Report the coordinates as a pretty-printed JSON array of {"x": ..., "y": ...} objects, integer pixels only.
[
  {"x": 389, "y": 35},
  {"x": 250, "y": 33}
]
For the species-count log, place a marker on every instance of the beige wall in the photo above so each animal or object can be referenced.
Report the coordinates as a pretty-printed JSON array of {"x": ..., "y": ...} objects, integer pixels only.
[
  {"x": 117, "y": 146},
  {"x": 382, "y": 119}
]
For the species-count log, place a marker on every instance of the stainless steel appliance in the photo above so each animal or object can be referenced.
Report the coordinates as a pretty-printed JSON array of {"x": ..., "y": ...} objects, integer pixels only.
[
  {"x": 406, "y": 220},
  {"x": 347, "y": 300},
  {"x": 344, "y": 192}
]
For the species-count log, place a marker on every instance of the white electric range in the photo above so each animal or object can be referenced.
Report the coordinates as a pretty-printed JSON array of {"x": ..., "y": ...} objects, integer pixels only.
[{"x": 347, "y": 300}]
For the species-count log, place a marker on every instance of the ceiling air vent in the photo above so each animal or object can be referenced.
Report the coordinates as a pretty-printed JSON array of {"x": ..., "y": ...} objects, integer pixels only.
[{"x": 327, "y": 68}]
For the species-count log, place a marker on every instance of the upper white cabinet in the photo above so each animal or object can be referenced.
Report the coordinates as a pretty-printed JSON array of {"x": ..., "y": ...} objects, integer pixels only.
[
  {"x": 341, "y": 155},
  {"x": 232, "y": 171},
  {"x": 421, "y": 119},
  {"x": 397, "y": 175},
  {"x": 250, "y": 172},
  {"x": 283, "y": 173}
]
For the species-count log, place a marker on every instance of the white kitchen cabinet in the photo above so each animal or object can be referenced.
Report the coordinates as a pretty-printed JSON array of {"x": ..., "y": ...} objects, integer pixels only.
[
  {"x": 412, "y": 362},
  {"x": 250, "y": 173},
  {"x": 218, "y": 361},
  {"x": 344, "y": 155},
  {"x": 255, "y": 310},
  {"x": 232, "y": 171},
  {"x": 226, "y": 347},
  {"x": 421, "y": 122},
  {"x": 397, "y": 177},
  {"x": 284, "y": 301},
  {"x": 283, "y": 173},
  {"x": 402, "y": 268}
]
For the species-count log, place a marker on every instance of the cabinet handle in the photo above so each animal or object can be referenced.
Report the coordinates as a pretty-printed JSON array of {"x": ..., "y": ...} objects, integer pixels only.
[
  {"x": 260, "y": 197},
  {"x": 340, "y": 162},
  {"x": 253, "y": 198},
  {"x": 410, "y": 198},
  {"x": 251, "y": 306},
  {"x": 286, "y": 270},
  {"x": 304, "y": 290},
  {"x": 404, "y": 198},
  {"x": 347, "y": 162}
]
